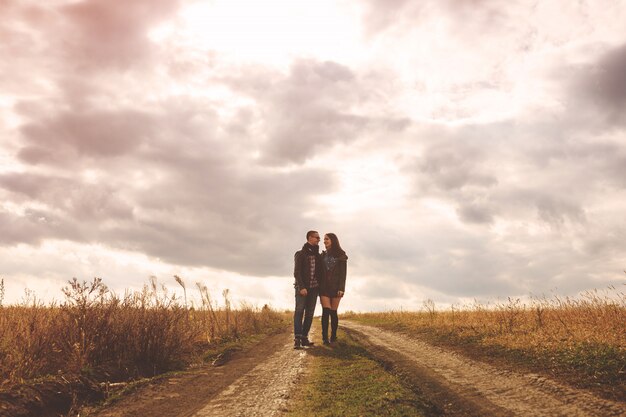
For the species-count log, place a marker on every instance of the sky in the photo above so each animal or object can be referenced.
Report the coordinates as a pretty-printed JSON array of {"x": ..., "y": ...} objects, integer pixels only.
[{"x": 461, "y": 150}]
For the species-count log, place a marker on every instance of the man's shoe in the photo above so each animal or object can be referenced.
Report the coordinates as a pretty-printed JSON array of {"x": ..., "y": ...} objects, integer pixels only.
[
  {"x": 306, "y": 342},
  {"x": 333, "y": 339},
  {"x": 297, "y": 343},
  {"x": 326, "y": 342}
]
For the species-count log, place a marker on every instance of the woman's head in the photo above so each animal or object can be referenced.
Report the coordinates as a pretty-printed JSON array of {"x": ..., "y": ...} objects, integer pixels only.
[
  {"x": 327, "y": 242},
  {"x": 332, "y": 244}
]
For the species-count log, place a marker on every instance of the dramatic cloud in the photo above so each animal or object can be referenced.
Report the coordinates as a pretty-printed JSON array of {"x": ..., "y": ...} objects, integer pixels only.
[
  {"x": 609, "y": 80},
  {"x": 598, "y": 91},
  {"x": 460, "y": 149},
  {"x": 101, "y": 33}
]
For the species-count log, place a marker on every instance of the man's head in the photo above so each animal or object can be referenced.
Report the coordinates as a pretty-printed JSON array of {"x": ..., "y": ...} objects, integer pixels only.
[{"x": 312, "y": 237}]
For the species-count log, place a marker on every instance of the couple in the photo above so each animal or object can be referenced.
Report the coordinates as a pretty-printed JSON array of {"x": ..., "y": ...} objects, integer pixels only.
[{"x": 318, "y": 274}]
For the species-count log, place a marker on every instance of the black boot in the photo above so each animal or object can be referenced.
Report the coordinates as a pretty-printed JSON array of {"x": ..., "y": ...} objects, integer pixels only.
[
  {"x": 334, "y": 323},
  {"x": 325, "y": 315},
  {"x": 306, "y": 342},
  {"x": 297, "y": 343}
]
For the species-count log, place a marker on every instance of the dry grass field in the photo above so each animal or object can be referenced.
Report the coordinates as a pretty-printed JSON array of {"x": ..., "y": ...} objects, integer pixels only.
[
  {"x": 582, "y": 340},
  {"x": 107, "y": 337}
]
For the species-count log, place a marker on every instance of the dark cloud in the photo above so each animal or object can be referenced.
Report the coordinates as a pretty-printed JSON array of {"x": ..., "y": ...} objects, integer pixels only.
[
  {"x": 607, "y": 80},
  {"x": 312, "y": 109},
  {"x": 34, "y": 225},
  {"x": 455, "y": 164},
  {"x": 556, "y": 210},
  {"x": 75, "y": 40},
  {"x": 103, "y": 33},
  {"x": 204, "y": 217},
  {"x": 168, "y": 182},
  {"x": 594, "y": 92},
  {"x": 588, "y": 154},
  {"x": 91, "y": 133},
  {"x": 171, "y": 179},
  {"x": 31, "y": 186},
  {"x": 67, "y": 200},
  {"x": 478, "y": 263},
  {"x": 440, "y": 257},
  {"x": 475, "y": 213},
  {"x": 305, "y": 130},
  {"x": 506, "y": 172},
  {"x": 238, "y": 225},
  {"x": 545, "y": 182},
  {"x": 606, "y": 243},
  {"x": 20, "y": 229},
  {"x": 221, "y": 213}
]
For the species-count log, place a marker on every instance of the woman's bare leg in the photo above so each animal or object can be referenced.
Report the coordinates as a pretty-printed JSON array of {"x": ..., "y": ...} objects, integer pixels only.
[{"x": 326, "y": 301}]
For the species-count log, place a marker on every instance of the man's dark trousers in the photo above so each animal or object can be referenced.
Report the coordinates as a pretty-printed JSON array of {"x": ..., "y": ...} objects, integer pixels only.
[{"x": 305, "y": 307}]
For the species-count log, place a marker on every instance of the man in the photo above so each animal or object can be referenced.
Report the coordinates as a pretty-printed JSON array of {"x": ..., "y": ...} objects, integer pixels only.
[{"x": 308, "y": 272}]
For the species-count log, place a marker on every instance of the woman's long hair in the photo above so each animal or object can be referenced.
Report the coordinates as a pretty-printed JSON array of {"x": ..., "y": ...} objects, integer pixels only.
[{"x": 335, "y": 247}]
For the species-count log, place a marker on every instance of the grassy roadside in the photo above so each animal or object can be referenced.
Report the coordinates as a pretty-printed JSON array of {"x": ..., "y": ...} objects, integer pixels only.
[
  {"x": 344, "y": 380},
  {"x": 84, "y": 396},
  {"x": 55, "y": 358},
  {"x": 579, "y": 343},
  {"x": 219, "y": 352}
]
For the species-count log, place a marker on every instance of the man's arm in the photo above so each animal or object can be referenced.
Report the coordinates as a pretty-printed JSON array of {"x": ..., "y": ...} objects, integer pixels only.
[{"x": 297, "y": 260}]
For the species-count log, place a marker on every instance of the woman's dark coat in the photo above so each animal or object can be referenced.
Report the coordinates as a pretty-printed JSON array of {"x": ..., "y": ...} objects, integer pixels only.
[{"x": 335, "y": 278}]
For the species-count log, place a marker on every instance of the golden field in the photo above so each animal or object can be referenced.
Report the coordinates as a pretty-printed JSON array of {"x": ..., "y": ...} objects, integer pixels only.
[
  {"x": 580, "y": 339},
  {"x": 107, "y": 337}
]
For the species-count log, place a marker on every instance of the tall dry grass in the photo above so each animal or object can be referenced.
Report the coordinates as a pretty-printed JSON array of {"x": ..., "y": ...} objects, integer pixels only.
[
  {"x": 96, "y": 332},
  {"x": 581, "y": 336}
]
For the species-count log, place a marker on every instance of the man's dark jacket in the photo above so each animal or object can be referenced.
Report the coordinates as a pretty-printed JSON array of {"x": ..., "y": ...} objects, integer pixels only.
[{"x": 301, "y": 268}]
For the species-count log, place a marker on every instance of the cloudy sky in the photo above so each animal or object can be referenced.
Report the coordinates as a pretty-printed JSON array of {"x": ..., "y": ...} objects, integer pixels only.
[{"x": 460, "y": 149}]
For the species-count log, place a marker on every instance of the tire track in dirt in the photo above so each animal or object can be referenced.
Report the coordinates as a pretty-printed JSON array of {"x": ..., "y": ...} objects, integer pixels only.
[
  {"x": 264, "y": 391},
  {"x": 461, "y": 386},
  {"x": 254, "y": 381}
]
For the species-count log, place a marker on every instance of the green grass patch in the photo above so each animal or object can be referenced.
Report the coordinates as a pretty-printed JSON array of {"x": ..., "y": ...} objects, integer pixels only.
[
  {"x": 231, "y": 346},
  {"x": 344, "y": 380}
]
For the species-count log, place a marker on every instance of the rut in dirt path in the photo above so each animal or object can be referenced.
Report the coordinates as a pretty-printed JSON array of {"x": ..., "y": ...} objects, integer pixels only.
[
  {"x": 264, "y": 391},
  {"x": 478, "y": 388},
  {"x": 256, "y": 380}
]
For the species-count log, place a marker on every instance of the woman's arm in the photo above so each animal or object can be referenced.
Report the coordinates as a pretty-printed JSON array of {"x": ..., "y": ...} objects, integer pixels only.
[{"x": 342, "y": 270}]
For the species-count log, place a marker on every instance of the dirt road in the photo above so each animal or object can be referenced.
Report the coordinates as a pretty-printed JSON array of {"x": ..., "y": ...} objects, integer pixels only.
[
  {"x": 264, "y": 390},
  {"x": 254, "y": 382},
  {"x": 460, "y": 386},
  {"x": 260, "y": 381}
]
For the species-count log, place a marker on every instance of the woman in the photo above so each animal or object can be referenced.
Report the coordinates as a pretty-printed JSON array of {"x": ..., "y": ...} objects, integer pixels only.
[{"x": 333, "y": 284}]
